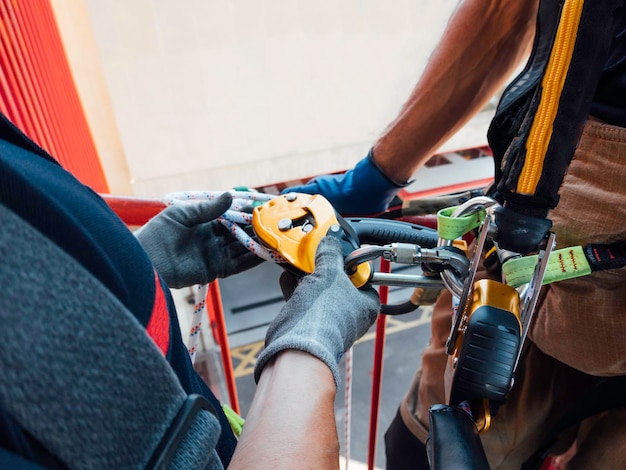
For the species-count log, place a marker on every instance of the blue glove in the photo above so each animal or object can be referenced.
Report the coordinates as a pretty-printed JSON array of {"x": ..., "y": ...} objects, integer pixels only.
[{"x": 364, "y": 190}]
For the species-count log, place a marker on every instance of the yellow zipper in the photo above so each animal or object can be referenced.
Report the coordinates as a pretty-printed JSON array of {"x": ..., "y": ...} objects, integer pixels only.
[{"x": 552, "y": 86}]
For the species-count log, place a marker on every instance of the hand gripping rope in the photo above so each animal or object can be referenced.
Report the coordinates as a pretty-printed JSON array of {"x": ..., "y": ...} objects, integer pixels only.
[
  {"x": 240, "y": 213},
  {"x": 282, "y": 224}
]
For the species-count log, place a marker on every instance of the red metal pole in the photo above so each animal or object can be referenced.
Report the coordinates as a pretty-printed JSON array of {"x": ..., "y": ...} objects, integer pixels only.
[
  {"x": 19, "y": 57},
  {"x": 214, "y": 304},
  {"x": 377, "y": 373},
  {"x": 37, "y": 61},
  {"x": 20, "y": 116},
  {"x": 37, "y": 91}
]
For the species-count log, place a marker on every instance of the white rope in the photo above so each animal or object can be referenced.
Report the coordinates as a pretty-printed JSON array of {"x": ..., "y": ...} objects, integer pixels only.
[
  {"x": 347, "y": 418},
  {"x": 238, "y": 214},
  {"x": 196, "y": 320},
  {"x": 249, "y": 243},
  {"x": 183, "y": 197}
]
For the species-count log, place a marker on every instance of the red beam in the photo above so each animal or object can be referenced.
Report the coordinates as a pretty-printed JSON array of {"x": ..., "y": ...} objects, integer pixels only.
[{"x": 134, "y": 210}]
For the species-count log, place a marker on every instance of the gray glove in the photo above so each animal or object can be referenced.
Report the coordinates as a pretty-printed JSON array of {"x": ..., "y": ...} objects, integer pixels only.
[
  {"x": 188, "y": 246},
  {"x": 325, "y": 315}
]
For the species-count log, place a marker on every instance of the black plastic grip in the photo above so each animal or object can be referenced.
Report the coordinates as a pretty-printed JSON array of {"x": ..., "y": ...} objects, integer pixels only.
[
  {"x": 486, "y": 361},
  {"x": 383, "y": 231},
  {"x": 454, "y": 441}
]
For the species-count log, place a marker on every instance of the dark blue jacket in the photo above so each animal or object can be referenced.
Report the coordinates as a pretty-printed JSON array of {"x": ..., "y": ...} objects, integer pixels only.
[{"x": 35, "y": 187}]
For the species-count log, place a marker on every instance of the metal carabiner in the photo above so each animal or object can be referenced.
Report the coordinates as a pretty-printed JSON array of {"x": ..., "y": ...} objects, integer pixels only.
[{"x": 453, "y": 282}]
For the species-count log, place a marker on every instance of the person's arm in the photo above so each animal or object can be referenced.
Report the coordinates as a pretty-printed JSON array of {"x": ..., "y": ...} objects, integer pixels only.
[
  {"x": 291, "y": 423},
  {"x": 482, "y": 45},
  {"x": 484, "y": 42}
]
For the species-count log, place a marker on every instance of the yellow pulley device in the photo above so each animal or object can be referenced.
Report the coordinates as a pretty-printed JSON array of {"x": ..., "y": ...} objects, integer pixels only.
[{"x": 294, "y": 224}]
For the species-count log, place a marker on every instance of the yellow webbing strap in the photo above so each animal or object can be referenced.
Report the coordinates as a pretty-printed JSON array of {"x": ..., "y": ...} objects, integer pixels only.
[
  {"x": 450, "y": 228},
  {"x": 566, "y": 263},
  {"x": 552, "y": 87},
  {"x": 236, "y": 422}
]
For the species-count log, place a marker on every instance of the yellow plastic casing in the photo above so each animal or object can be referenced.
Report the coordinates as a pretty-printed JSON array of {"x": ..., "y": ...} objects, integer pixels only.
[
  {"x": 294, "y": 224},
  {"x": 496, "y": 294}
]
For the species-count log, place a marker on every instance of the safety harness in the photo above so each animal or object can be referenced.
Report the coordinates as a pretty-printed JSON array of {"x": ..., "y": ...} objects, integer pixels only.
[
  {"x": 565, "y": 263},
  {"x": 533, "y": 136}
]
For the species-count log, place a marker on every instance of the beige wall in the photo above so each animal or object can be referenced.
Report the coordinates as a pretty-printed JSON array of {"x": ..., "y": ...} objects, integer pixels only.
[
  {"x": 80, "y": 48},
  {"x": 210, "y": 94}
]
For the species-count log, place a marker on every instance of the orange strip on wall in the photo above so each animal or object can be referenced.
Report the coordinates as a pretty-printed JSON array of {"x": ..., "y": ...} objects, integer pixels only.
[{"x": 38, "y": 93}]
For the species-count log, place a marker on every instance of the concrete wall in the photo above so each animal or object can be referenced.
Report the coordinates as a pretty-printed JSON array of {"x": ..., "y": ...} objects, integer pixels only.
[
  {"x": 209, "y": 94},
  {"x": 76, "y": 33}
]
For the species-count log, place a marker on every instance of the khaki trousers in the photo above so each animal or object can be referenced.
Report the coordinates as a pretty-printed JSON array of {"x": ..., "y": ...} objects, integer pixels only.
[{"x": 579, "y": 331}]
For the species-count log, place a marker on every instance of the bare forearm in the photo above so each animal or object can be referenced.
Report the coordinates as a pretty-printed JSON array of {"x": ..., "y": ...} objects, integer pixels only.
[
  {"x": 291, "y": 423},
  {"x": 484, "y": 42}
]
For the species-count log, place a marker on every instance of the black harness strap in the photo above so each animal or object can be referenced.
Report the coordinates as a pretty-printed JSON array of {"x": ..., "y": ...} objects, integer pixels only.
[
  {"x": 508, "y": 134},
  {"x": 601, "y": 257},
  {"x": 519, "y": 97}
]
